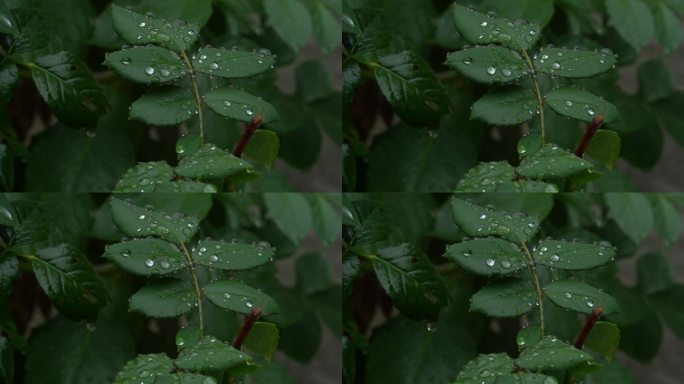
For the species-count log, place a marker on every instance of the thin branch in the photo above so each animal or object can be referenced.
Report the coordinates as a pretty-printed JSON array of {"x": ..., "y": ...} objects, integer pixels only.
[
  {"x": 246, "y": 135},
  {"x": 198, "y": 292},
  {"x": 594, "y": 126},
  {"x": 588, "y": 326},
  {"x": 537, "y": 286},
  {"x": 246, "y": 327},
  {"x": 537, "y": 91},
  {"x": 198, "y": 100}
]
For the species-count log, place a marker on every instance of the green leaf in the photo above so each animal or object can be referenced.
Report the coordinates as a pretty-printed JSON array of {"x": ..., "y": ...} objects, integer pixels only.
[
  {"x": 137, "y": 29},
  {"x": 147, "y": 64},
  {"x": 232, "y": 64},
  {"x": 411, "y": 281},
  {"x": 490, "y": 64},
  {"x": 490, "y": 256},
  {"x": 187, "y": 336},
  {"x": 604, "y": 339},
  {"x": 326, "y": 219},
  {"x": 9, "y": 75},
  {"x": 524, "y": 378},
  {"x": 231, "y": 256},
  {"x": 572, "y": 63},
  {"x": 263, "y": 148},
  {"x": 655, "y": 80},
  {"x": 291, "y": 213},
  {"x": 666, "y": 219},
  {"x": 505, "y": 298},
  {"x": 168, "y": 298},
  {"x": 669, "y": 306},
  {"x": 351, "y": 266},
  {"x": 480, "y": 222},
  {"x": 144, "y": 369},
  {"x": 581, "y": 105},
  {"x": 210, "y": 354},
  {"x": 667, "y": 28},
  {"x": 486, "y": 177},
  {"x": 505, "y": 106},
  {"x": 633, "y": 21},
  {"x": 210, "y": 162},
  {"x": 146, "y": 257},
  {"x": 325, "y": 27},
  {"x": 164, "y": 106},
  {"x": 572, "y": 255},
  {"x": 655, "y": 273},
  {"x": 137, "y": 221},
  {"x": 240, "y": 105},
  {"x": 528, "y": 336},
  {"x": 263, "y": 339},
  {"x": 70, "y": 281},
  {"x": 66, "y": 85},
  {"x": 239, "y": 297},
  {"x": 479, "y": 28},
  {"x": 521, "y": 185},
  {"x": 6, "y": 361},
  {"x": 313, "y": 80},
  {"x": 412, "y": 87},
  {"x": 145, "y": 177},
  {"x": 9, "y": 268},
  {"x": 632, "y": 212},
  {"x": 291, "y": 21},
  {"x": 539, "y": 11},
  {"x": 552, "y": 162},
  {"x": 604, "y": 147},
  {"x": 485, "y": 369},
  {"x": 196, "y": 11},
  {"x": 580, "y": 297},
  {"x": 8, "y": 24},
  {"x": 313, "y": 273},
  {"x": 667, "y": 112},
  {"x": 551, "y": 354}
]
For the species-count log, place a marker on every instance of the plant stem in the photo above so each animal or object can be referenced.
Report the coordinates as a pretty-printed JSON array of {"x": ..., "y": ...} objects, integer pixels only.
[
  {"x": 246, "y": 135},
  {"x": 537, "y": 286},
  {"x": 537, "y": 91},
  {"x": 246, "y": 327},
  {"x": 198, "y": 292},
  {"x": 198, "y": 99},
  {"x": 588, "y": 325},
  {"x": 594, "y": 126}
]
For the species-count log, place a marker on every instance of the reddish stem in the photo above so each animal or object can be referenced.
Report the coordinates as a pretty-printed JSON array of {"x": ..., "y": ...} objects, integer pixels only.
[
  {"x": 246, "y": 327},
  {"x": 594, "y": 126},
  {"x": 588, "y": 325},
  {"x": 247, "y": 134}
]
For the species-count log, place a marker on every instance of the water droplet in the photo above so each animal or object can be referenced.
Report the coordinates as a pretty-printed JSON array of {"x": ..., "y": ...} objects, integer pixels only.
[
  {"x": 149, "y": 70},
  {"x": 149, "y": 263},
  {"x": 248, "y": 303},
  {"x": 467, "y": 253},
  {"x": 590, "y": 304},
  {"x": 467, "y": 61},
  {"x": 165, "y": 72},
  {"x": 483, "y": 216},
  {"x": 213, "y": 258},
  {"x": 590, "y": 112},
  {"x": 555, "y": 258},
  {"x": 125, "y": 253},
  {"x": 164, "y": 265},
  {"x": 214, "y": 66},
  {"x": 556, "y": 65},
  {"x": 249, "y": 111},
  {"x": 568, "y": 295},
  {"x": 491, "y": 70},
  {"x": 141, "y": 217},
  {"x": 142, "y": 24},
  {"x": 126, "y": 60},
  {"x": 568, "y": 103},
  {"x": 226, "y": 295},
  {"x": 227, "y": 103},
  {"x": 490, "y": 262},
  {"x": 505, "y": 264},
  {"x": 506, "y": 72},
  {"x": 431, "y": 327},
  {"x": 203, "y": 57}
]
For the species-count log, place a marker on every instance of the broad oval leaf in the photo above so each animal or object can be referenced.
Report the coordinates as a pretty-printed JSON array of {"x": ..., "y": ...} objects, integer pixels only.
[
  {"x": 573, "y": 63},
  {"x": 479, "y": 28},
  {"x": 632, "y": 212},
  {"x": 479, "y": 221},
  {"x": 522, "y": 185},
  {"x": 491, "y": 64},
  {"x": 240, "y": 105},
  {"x": 550, "y": 353},
  {"x": 604, "y": 339},
  {"x": 69, "y": 280},
  {"x": 187, "y": 336},
  {"x": 551, "y": 162},
  {"x": 524, "y": 378},
  {"x": 633, "y": 20},
  {"x": 263, "y": 339},
  {"x": 263, "y": 148},
  {"x": 231, "y": 256},
  {"x": 506, "y": 106},
  {"x": 411, "y": 281},
  {"x": 605, "y": 147},
  {"x": 490, "y": 256},
  {"x": 505, "y": 298},
  {"x": 485, "y": 369},
  {"x": 66, "y": 85},
  {"x": 164, "y": 299},
  {"x": 580, "y": 297},
  {"x": 572, "y": 255},
  {"x": 144, "y": 369},
  {"x": 147, "y": 64},
  {"x": 239, "y": 297},
  {"x": 210, "y": 162},
  {"x": 291, "y": 20},
  {"x": 486, "y": 177},
  {"x": 412, "y": 87},
  {"x": 188, "y": 186},
  {"x": 165, "y": 106},
  {"x": 581, "y": 105},
  {"x": 232, "y": 63},
  {"x": 146, "y": 256},
  {"x": 138, "y": 222},
  {"x": 144, "y": 177},
  {"x": 139, "y": 29},
  {"x": 181, "y": 377},
  {"x": 210, "y": 354}
]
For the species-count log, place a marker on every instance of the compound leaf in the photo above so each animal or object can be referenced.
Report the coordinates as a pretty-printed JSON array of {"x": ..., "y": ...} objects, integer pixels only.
[
  {"x": 210, "y": 354},
  {"x": 210, "y": 162},
  {"x": 139, "y": 29},
  {"x": 480, "y": 222},
  {"x": 581, "y": 105},
  {"x": 138, "y": 222},
  {"x": 231, "y": 256},
  {"x": 479, "y": 28},
  {"x": 147, "y": 64},
  {"x": 580, "y": 297},
  {"x": 486, "y": 177},
  {"x": 505, "y": 106},
  {"x": 145, "y": 177},
  {"x": 505, "y": 298},
  {"x": 572, "y": 63},
  {"x": 164, "y": 299},
  {"x": 490, "y": 64},
  {"x": 572, "y": 255},
  {"x": 232, "y": 64},
  {"x": 551, "y": 354},
  {"x": 146, "y": 257},
  {"x": 240, "y": 105},
  {"x": 165, "y": 106},
  {"x": 490, "y": 256},
  {"x": 239, "y": 297}
]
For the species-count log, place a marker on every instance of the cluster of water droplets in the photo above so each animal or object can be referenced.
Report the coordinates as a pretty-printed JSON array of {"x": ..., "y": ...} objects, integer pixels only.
[
  {"x": 503, "y": 31},
  {"x": 211, "y": 161},
  {"x": 152, "y": 29},
  {"x": 491, "y": 222}
]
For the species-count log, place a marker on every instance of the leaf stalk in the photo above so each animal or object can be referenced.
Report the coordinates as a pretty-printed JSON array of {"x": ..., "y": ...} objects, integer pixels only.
[
  {"x": 198, "y": 98},
  {"x": 198, "y": 291},
  {"x": 537, "y": 91},
  {"x": 537, "y": 286}
]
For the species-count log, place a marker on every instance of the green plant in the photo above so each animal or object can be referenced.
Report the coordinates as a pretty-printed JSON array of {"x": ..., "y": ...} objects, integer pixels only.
[
  {"x": 501, "y": 303},
  {"x": 546, "y": 69},
  {"x": 116, "y": 277}
]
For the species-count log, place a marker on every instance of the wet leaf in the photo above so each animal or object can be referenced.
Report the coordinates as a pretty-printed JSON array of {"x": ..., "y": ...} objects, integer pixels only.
[
  {"x": 9, "y": 75},
  {"x": 145, "y": 177},
  {"x": 479, "y": 28},
  {"x": 240, "y": 105},
  {"x": 231, "y": 256},
  {"x": 581, "y": 105},
  {"x": 144, "y": 368},
  {"x": 138, "y": 222},
  {"x": 604, "y": 339},
  {"x": 239, "y": 297},
  {"x": 232, "y": 63},
  {"x": 573, "y": 63},
  {"x": 146, "y": 65},
  {"x": 580, "y": 297},
  {"x": 263, "y": 339},
  {"x": 139, "y": 29},
  {"x": 551, "y": 162},
  {"x": 490, "y": 256},
  {"x": 505, "y": 298},
  {"x": 490, "y": 64},
  {"x": 263, "y": 148},
  {"x": 551, "y": 354},
  {"x": 572, "y": 255},
  {"x": 486, "y": 177},
  {"x": 146, "y": 257},
  {"x": 485, "y": 369},
  {"x": 165, "y": 106},
  {"x": 168, "y": 298},
  {"x": 481, "y": 222},
  {"x": 210, "y": 354},
  {"x": 505, "y": 106},
  {"x": 605, "y": 147},
  {"x": 210, "y": 162}
]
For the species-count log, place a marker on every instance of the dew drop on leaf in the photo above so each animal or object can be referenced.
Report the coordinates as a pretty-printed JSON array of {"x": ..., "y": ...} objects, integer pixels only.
[
  {"x": 149, "y": 70},
  {"x": 149, "y": 263}
]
